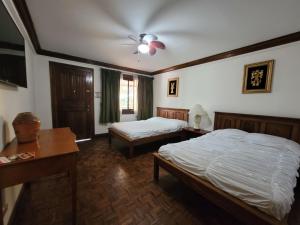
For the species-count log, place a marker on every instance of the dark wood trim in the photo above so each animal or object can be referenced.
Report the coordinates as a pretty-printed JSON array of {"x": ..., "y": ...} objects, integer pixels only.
[
  {"x": 90, "y": 61},
  {"x": 25, "y": 16},
  {"x": 293, "y": 37},
  {"x": 127, "y": 111},
  {"x": 24, "y": 13},
  {"x": 101, "y": 135},
  {"x": 127, "y": 77},
  {"x": 12, "y": 46}
]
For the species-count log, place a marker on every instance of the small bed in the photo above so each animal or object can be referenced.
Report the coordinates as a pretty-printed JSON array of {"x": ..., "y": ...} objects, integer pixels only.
[
  {"x": 168, "y": 124},
  {"x": 220, "y": 165}
]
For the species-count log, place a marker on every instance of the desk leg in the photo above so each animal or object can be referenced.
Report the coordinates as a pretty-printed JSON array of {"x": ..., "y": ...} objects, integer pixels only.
[
  {"x": 131, "y": 148},
  {"x": 109, "y": 138},
  {"x": 155, "y": 169},
  {"x": 1, "y": 212},
  {"x": 73, "y": 177}
]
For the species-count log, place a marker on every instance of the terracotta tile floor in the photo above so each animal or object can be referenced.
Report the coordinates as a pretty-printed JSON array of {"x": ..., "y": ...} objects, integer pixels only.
[{"x": 114, "y": 190}]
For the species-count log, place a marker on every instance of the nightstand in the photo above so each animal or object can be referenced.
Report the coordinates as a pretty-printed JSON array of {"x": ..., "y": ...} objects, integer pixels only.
[{"x": 190, "y": 132}]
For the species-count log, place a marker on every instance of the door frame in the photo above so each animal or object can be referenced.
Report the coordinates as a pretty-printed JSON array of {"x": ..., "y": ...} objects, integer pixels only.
[{"x": 91, "y": 116}]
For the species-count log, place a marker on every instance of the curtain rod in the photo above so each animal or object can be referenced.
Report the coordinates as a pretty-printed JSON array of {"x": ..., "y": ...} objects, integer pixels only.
[{"x": 124, "y": 71}]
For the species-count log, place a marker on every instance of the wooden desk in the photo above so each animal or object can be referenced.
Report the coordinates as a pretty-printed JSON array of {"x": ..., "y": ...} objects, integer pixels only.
[{"x": 55, "y": 152}]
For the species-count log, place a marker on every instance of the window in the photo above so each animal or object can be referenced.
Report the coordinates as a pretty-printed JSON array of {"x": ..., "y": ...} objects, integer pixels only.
[{"x": 128, "y": 94}]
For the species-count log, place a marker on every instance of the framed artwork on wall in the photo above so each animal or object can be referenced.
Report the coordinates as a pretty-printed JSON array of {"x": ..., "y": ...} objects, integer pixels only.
[
  {"x": 173, "y": 85},
  {"x": 258, "y": 77}
]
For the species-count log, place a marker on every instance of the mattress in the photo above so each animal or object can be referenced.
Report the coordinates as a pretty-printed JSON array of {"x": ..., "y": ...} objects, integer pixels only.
[
  {"x": 150, "y": 127},
  {"x": 259, "y": 169}
]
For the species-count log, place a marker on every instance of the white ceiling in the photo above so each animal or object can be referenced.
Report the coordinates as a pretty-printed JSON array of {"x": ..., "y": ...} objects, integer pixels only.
[{"x": 191, "y": 29}]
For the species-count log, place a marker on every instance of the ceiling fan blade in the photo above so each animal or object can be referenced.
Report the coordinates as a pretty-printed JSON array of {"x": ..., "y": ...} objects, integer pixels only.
[
  {"x": 152, "y": 51},
  {"x": 132, "y": 38},
  {"x": 149, "y": 37},
  {"x": 142, "y": 36},
  {"x": 157, "y": 44}
]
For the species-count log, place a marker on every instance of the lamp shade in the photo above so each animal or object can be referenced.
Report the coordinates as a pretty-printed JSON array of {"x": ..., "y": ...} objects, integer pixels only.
[
  {"x": 196, "y": 113},
  {"x": 197, "y": 110}
]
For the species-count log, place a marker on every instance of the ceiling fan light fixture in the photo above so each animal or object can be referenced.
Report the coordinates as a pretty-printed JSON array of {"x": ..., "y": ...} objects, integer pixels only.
[
  {"x": 143, "y": 48},
  {"x": 149, "y": 37}
]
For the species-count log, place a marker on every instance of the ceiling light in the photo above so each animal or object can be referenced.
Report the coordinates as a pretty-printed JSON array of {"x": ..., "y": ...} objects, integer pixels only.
[{"x": 143, "y": 48}]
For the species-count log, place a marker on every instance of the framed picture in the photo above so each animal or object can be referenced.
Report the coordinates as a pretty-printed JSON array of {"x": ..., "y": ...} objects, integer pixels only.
[
  {"x": 173, "y": 84},
  {"x": 258, "y": 77}
]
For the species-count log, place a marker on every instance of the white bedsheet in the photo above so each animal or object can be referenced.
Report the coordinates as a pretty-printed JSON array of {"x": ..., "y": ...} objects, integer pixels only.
[
  {"x": 150, "y": 127},
  {"x": 256, "y": 168}
]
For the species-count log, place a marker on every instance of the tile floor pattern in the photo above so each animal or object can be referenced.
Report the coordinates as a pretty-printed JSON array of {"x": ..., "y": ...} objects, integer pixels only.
[{"x": 113, "y": 190}]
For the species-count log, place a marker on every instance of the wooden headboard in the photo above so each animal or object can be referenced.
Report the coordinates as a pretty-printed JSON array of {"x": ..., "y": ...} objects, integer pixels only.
[
  {"x": 179, "y": 114},
  {"x": 278, "y": 126}
]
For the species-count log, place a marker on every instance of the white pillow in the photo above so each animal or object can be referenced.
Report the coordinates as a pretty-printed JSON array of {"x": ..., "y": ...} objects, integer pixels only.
[
  {"x": 167, "y": 121},
  {"x": 230, "y": 133},
  {"x": 273, "y": 141}
]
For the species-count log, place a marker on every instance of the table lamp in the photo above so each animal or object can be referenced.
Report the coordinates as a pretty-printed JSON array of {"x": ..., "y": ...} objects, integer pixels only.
[{"x": 197, "y": 112}]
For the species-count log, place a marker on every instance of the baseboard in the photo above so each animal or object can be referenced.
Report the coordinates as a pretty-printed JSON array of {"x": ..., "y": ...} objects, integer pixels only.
[
  {"x": 12, "y": 217},
  {"x": 100, "y": 135}
]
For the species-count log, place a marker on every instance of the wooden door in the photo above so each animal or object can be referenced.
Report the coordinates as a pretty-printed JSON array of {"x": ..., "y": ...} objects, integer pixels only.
[{"x": 72, "y": 89}]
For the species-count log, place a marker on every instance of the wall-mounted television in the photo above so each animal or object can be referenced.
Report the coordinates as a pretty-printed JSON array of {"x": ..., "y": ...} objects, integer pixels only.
[{"x": 12, "y": 51}]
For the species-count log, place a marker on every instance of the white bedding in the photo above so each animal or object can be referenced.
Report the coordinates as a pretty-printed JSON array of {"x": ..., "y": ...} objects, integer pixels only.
[
  {"x": 150, "y": 127},
  {"x": 256, "y": 168}
]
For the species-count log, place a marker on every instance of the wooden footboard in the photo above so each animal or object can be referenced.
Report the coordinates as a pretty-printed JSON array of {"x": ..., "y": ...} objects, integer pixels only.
[
  {"x": 239, "y": 209},
  {"x": 131, "y": 143}
]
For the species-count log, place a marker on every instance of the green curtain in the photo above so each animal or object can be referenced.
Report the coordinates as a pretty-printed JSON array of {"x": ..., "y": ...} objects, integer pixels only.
[
  {"x": 145, "y": 98},
  {"x": 110, "y": 100}
]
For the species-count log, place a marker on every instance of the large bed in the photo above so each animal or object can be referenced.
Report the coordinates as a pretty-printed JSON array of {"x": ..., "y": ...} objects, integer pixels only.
[
  {"x": 168, "y": 124},
  {"x": 249, "y": 170}
]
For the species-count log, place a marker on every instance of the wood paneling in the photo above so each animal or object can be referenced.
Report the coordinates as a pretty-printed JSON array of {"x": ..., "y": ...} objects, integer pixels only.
[
  {"x": 279, "y": 126},
  {"x": 72, "y": 97},
  {"x": 172, "y": 113}
]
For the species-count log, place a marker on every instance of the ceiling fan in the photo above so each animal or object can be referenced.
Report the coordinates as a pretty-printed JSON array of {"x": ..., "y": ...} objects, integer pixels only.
[{"x": 146, "y": 43}]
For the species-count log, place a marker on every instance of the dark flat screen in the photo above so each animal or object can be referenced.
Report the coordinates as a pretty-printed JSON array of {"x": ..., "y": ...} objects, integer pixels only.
[{"x": 12, "y": 51}]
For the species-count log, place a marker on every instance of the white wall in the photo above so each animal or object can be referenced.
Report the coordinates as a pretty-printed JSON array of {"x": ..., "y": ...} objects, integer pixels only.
[
  {"x": 217, "y": 85},
  {"x": 43, "y": 95},
  {"x": 13, "y": 101}
]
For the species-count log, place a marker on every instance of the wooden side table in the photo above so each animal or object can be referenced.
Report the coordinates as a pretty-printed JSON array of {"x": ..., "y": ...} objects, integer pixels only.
[
  {"x": 55, "y": 152},
  {"x": 190, "y": 132}
]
